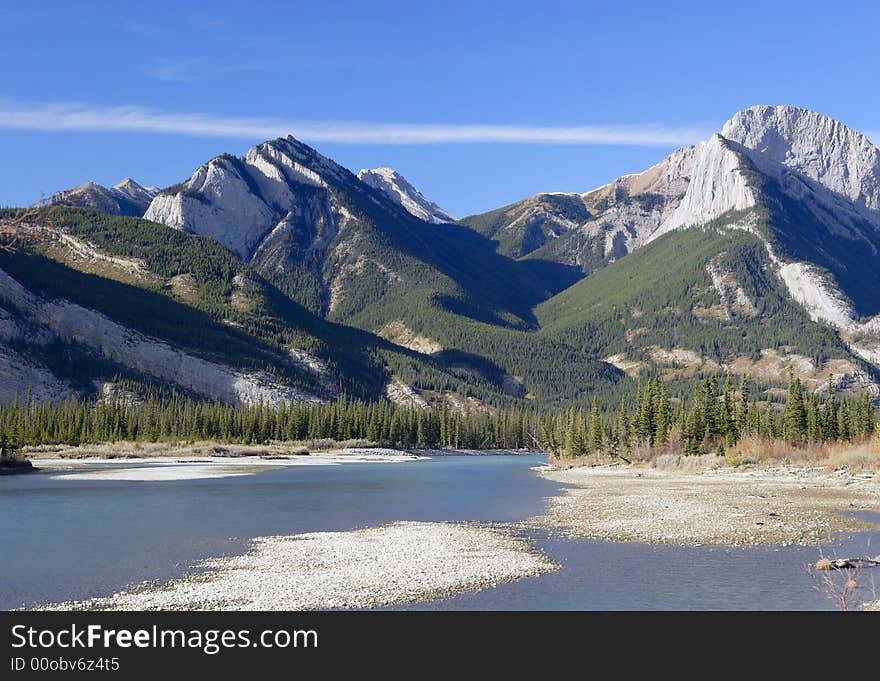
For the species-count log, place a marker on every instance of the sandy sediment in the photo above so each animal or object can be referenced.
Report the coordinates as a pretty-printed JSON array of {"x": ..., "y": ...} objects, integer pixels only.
[
  {"x": 373, "y": 567},
  {"x": 154, "y": 469},
  {"x": 776, "y": 506},
  {"x": 152, "y": 473}
]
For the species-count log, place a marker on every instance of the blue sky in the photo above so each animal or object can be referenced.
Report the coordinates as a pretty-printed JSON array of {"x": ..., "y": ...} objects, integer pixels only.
[{"x": 477, "y": 103}]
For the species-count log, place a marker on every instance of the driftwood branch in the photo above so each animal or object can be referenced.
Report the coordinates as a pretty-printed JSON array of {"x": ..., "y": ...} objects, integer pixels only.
[
  {"x": 847, "y": 563},
  {"x": 25, "y": 225}
]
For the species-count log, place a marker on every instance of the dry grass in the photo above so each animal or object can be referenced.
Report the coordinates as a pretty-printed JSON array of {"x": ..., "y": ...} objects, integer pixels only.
[
  {"x": 688, "y": 464},
  {"x": 848, "y": 588},
  {"x": 136, "y": 450},
  {"x": 857, "y": 457}
]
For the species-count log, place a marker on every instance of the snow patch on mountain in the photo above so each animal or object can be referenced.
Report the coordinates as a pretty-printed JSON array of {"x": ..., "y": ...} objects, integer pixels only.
[{"x": 398, "y": 189}]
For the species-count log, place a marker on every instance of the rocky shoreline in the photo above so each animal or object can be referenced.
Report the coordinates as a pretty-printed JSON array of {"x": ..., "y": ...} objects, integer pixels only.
[
  {"x": 403, "y": 562},
  {"x": 780, "y": 506},
  {"x": 17, "y": 467},
  {"x": 368, "y": 568}
]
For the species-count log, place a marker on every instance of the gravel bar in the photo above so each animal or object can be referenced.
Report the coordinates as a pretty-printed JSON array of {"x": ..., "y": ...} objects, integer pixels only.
[
  {"x": 771, "y": 507},
  {"x": 367, "y": 568}
]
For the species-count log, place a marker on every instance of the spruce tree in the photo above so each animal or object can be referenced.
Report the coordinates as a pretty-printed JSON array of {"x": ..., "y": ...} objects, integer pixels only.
[
  {"x": 594, "y": 435},
  {"x": 794, "y": 416},
  {"x": 829, "y": 414},
  {"x": 662, "y": 412}
]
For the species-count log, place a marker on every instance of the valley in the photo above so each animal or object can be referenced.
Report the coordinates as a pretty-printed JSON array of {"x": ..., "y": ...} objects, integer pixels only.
[{"x": 310, "y": 312}]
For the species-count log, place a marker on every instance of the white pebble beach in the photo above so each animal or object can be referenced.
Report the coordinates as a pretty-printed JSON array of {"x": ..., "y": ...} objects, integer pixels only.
[
  {"x": 156, "y": 469},
  {"x": 367, "y": 568}
]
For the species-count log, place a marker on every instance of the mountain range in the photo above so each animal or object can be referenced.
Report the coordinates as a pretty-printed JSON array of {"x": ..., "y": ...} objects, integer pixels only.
[
  {"x": 283, "y": 276},
  {"x": 125, "y": 198}
]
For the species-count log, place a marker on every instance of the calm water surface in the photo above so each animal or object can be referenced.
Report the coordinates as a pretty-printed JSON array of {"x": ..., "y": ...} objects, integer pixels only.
[{"x": 66, "y": 539}]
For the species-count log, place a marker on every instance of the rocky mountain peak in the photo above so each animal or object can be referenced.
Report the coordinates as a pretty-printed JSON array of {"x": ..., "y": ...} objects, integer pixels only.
[
  {"x": 241, "y": 200},
  {"x": 135, "y": 191},
  {"x": 125, "y": 198},
  {"x": 128, "y": 183},
  {"x": 718, "y": 184},
  {"x": 813, "y": 145},
  {"x": 396, "y": 187},
  {"x": 297, "y": 155}
]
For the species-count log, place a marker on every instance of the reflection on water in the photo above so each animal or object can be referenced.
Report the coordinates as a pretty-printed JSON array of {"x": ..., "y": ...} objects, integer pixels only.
[
  {"x": 68, "y": 539},
  {"x": 599, "y": 575}
]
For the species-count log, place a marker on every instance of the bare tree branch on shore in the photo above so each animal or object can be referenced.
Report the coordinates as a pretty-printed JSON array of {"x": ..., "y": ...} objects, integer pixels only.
[
  {"x": 839, "y": 581},
  {"x": 24, "y": 225}
]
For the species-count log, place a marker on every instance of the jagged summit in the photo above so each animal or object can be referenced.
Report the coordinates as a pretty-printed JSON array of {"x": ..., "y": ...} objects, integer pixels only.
[
  {"x": 124, "y": 198},
  {"x": 805, "y": 155},
  {"x": 135, "y": 191},
  {"x": 762, "y": 239},
  {"x": 240, "y": 200},
  {"x": 807, "y": 184},
  {"x": 399, "y": 190},
  {"x": 816, "y": 146}
]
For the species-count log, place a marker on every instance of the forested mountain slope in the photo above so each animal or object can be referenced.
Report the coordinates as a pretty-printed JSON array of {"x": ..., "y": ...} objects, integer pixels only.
[
  {"x": 100, "y": 296},
  {"x": 754, "y": 252}
]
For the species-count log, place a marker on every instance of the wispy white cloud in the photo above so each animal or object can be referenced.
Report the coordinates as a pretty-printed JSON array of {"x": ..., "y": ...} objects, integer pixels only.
[
  {"x": 60, "y": 117},
  {"x": 193, "y": 69},
  {"x": 151, "y": 31},
  {"x": 196, "y": 23},
  {"x": 205, "y": 22}
]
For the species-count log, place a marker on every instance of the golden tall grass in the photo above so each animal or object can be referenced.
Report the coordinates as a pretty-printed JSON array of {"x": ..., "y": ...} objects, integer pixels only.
[{"x": 859, "y": 456}]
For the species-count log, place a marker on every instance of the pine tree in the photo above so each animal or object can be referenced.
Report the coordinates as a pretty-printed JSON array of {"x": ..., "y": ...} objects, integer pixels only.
[
  {"x": 794, "y": 416},
  {"x": 727, "y": 420},
  {"x": 624, "y": 435},
  {"x": 574, "y": 435},
  {"x": 662, "y": 412},
  {"x": 814, "y": 418},
  {"x": 829, "y": 414},
  {"x": 645, "y": 417},
  {"x": 594, "y": 435}
]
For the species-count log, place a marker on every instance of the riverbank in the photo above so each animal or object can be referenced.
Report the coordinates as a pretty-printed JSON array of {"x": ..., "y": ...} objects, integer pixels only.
[
  {"x": 167, "y": 468},
  {"x": 380, "y": 566},
  {"x": 728, "y": 507},
  {"x": 166, "y": 461},
  {"x": 126, "y": 450},
  {"x": 16, "y": 466}
]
